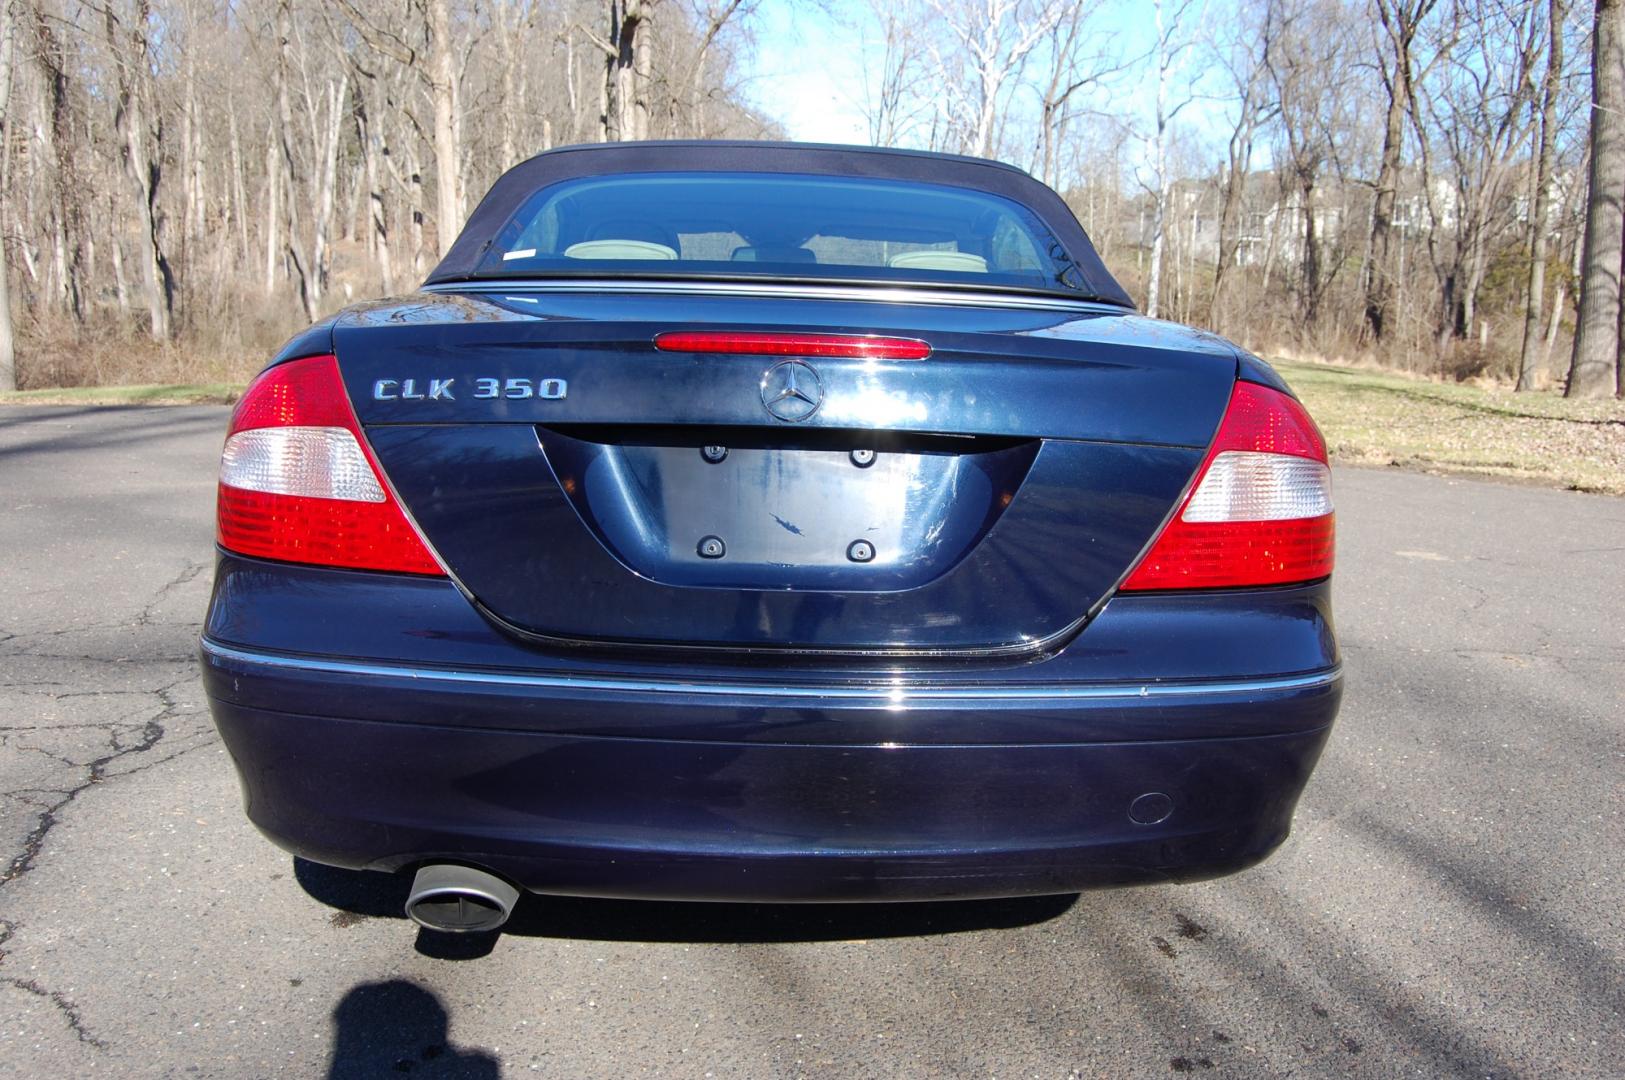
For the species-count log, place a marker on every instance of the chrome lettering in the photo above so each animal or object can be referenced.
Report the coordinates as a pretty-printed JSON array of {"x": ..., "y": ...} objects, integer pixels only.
[{"x": 484, "y": 389}]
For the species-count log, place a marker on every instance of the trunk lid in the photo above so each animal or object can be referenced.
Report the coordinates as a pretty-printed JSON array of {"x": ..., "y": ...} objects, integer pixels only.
[{"x": 584, "y": 486}]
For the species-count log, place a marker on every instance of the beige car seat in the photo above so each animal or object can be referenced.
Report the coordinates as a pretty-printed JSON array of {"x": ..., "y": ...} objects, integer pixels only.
[{"x": 620, "y": 249}]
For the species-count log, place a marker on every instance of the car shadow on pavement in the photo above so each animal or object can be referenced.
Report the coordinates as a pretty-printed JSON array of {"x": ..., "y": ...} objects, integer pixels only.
[
  {"x": 394, "y": 1027},
  {"x": 375, "y": 895}
]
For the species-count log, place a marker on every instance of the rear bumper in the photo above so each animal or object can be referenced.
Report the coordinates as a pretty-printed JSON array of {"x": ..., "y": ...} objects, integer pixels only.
[{"x": 689, "y": 789}]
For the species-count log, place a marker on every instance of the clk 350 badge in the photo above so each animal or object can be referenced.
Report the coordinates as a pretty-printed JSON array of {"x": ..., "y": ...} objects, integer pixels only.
[{"x": 484, "y": 389}]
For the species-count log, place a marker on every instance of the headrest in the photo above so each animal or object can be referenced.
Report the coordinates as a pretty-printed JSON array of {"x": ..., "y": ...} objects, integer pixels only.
[
  {"x": 962, "y": 261},
  {"x": 619, "y": 249}
]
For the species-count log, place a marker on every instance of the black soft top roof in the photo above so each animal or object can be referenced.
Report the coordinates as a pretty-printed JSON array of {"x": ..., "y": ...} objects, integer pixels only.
[{"x": 600, "y": 159}]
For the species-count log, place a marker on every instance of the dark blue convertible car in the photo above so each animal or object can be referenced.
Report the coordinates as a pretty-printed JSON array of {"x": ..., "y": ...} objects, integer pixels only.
[{"x": 770, "y": 522}]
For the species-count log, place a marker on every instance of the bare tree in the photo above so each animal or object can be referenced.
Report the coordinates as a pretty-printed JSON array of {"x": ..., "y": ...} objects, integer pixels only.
[
  {"x": 990, "y": 41},
  {"x": 62, "y": 155},
  {"x": 445, "y": 89},
  {"x": 1570, "y": 226},
  {"x": 131, "y": 47},
  {"x": 1307, "y": 59},
  {"x": 223, "y": 171},
  {"x": 713, "y": 16},
  {"x": 433, "y": 62},
  {"x": 216, "y": 173},
  {"x": 1594, "y": 365},
  {"x": 1174, "y": 39},
  {"x": 285, "y": 231},
  {"x": 1080, "y": 58},
  {"x": 628, "y": 60},
  {"x": 1255, "y": 107},
  {"x": 891, "y": 101},
  {"x": 373, "y": 147},
  {"x": 1400, "y": 20},
  {"x": 1476, "y": 114},
  {"x": 1539, "y": 220}
]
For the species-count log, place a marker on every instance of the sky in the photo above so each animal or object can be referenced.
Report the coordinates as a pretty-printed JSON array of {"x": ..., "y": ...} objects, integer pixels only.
[{"x": 806, "y": 69}]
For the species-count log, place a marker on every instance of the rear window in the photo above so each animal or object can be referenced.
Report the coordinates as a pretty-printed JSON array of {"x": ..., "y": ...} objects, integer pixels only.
[{"x": 779, "y": 226}]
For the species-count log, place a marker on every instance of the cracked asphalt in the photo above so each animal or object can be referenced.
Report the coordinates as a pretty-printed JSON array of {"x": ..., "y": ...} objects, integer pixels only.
[{"x": 1450, "y": 903}]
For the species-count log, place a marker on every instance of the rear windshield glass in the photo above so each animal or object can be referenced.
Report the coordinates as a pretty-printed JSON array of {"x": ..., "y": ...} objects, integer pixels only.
[{"x": 781, "y": 226}]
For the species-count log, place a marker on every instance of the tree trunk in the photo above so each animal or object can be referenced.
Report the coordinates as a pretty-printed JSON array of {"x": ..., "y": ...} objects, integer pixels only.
[
  {"x": 1234, "y": 187},
  {"x": 376, "y": 209},
  {"x": 59, "y": 135},
  {"x": 1528, "y": 362},
  {"x": 327, "y": 183},
  {"x": 1400, "y": 23},
  {"x": 414, "y": 172},
  {"x": 273, "y": 207},
  {"x": 1594, "y": 366},
  {"x": 1159, "y": 161},
  {"x": 1311, "y": 254},
  {"x": 143, "y": 168},
  {"x": 1159, "y": 241},
  {"x": 642, "y": 79},
  {"x": 1553, "y": 325},
  {"x": 191, "y": 156},
  {"x": 8, "y": 346},
  {"x": 289, "y": 241},
  {"x": 443, "y": 85},
  {"x": 623, "y": 53},
  {"x": 512, "y": 106},
  {"x": 121, "y": 286},
  {"x": 8, "y": 349},
  {"x": 239, "y": 196},
  {"x": 572, "y": 94}
]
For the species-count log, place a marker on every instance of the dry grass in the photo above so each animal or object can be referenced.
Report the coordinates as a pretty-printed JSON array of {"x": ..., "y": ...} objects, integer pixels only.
[
  {"x": 1377, "y": 418},
  {"x": 228, "y": 347}
]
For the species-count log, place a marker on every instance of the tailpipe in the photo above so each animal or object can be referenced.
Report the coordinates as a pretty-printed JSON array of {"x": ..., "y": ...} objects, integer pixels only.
[{"x": 459, "y": 899}]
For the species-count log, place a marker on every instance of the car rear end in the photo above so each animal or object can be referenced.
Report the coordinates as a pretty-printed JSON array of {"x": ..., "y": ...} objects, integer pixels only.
[{"x": 768, "y": 589}]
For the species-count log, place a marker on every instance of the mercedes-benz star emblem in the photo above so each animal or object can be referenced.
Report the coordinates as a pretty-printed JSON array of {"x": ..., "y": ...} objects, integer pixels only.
[{"x": 792, "y": 390}]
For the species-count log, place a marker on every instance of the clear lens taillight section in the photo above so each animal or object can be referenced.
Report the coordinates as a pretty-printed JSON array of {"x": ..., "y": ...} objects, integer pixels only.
[
  {"x": 318, "y": 462},
  {"x": 1261, "y": 510},
  {"x": 1241, "y": 485},
  {"x": 297, "y": 482}
]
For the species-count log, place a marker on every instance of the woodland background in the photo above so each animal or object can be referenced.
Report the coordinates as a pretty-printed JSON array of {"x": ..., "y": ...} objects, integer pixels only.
[{"x": 1410, "y": 183}]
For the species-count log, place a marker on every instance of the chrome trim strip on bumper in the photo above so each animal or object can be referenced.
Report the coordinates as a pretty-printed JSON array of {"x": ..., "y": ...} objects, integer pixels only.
[
  {"x": 897, "y": 694},
  {"x": 876, "y": 294}
]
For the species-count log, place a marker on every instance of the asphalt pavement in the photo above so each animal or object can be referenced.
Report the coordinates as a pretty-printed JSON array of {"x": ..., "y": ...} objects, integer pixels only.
[{"x": 1450, "y": 903}]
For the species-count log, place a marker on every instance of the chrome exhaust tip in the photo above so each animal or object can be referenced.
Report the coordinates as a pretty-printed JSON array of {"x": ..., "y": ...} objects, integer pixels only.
[{"x": 459, "y": 899}]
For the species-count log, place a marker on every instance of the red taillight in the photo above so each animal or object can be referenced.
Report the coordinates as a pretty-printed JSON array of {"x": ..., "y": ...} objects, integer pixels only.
[
  {"x": 1260, "y": 512},
  {"x": 298, "y": 482},
  {"x": 783, "y": 344}
]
